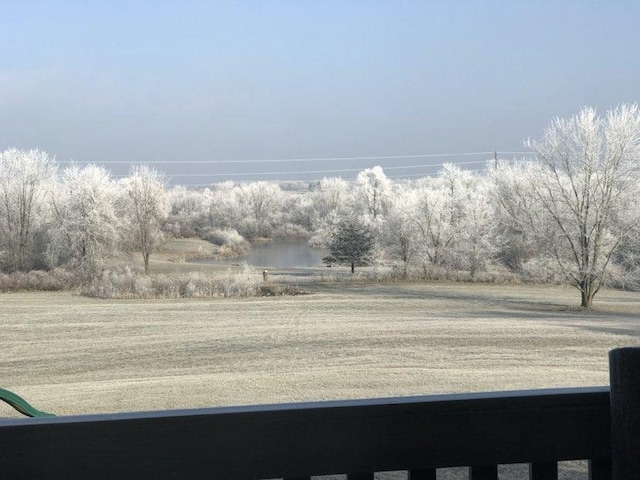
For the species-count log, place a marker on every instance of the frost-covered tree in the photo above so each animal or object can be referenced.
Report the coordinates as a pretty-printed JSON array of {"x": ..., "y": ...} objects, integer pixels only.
[
  {"x": 575, "y": 202},
  {"x": 472, "y": 236},
  {"x": 514, "y": 207},
  {"x": 25, "y": 178},
  {"x": 331, "y": 202},
  {"x": 221, "y": 206},
  {"x": 352, "y": 245},
  {"x": 398, "y": 234},
  {"x": 261, "y": 205},
  {"x": 627, "y": 260},
  {"x": 373, "y": 190},
  {"x": 187, "y": 212},
  {"x": 145, "y": 207},
  {"x": 330, "y": 196},
  {"x": 298, "y": 209},
  {"x": 477, "y": 242},
  {"x": 433, "y": 218},
  {"x": 85, "y": 230}
]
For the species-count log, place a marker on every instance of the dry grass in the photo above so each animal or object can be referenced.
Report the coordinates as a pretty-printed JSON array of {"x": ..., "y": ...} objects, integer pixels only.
[
  {"x": 177, "y": 254},
  {"x": 70, "y": 354},
  {"x": 184, "y": 249}
]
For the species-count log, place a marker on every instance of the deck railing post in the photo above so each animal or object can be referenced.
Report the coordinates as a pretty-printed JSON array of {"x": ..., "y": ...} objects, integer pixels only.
[{"x": 624, "y": 367}]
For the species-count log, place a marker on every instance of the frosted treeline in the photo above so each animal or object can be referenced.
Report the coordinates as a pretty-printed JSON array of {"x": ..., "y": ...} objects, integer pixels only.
[
  {"x": 570, "y": 215},
  {"x": 77, "y": 217}
]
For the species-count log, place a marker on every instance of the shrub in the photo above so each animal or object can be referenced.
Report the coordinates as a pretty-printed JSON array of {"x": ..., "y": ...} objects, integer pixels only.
[
  {"x": 230, "y": 240},
  {"x": 128, "y": 283},
  {"x": 290, "y": 231},
  {"x": 243, "y": 284},
  {"x": 45, "y": 280},
  {"x": 543, "y": 270}
]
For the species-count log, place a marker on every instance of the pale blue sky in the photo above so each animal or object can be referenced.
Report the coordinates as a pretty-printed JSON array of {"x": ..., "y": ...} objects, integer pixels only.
[{"x": 144, "y": 81}]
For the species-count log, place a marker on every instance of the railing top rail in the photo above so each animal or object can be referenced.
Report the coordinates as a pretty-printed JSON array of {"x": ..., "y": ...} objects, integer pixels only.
[
  {"x": 474, "y": 400},
  {"x": 297, "y": 440}
]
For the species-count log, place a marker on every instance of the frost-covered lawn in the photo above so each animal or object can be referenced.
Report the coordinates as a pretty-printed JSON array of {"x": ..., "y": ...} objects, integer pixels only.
[{"x": 70, "y": 354}]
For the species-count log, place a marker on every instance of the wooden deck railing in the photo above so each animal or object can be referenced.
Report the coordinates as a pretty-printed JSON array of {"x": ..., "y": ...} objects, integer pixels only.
[{"x": 357, "y": 438}]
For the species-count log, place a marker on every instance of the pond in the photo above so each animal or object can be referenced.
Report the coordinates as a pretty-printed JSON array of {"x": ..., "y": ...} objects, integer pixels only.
[{"x": 279, "y": 255}]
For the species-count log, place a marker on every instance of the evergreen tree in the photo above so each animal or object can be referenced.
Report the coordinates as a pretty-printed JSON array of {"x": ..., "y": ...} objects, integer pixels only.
[{"x": 352, "y": 244}]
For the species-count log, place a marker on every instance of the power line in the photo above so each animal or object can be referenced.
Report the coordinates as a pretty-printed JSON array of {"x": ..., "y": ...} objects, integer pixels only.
[
  {"x": 284, "y": 160},
  {"x": 345, "y": 170},
  {"x": 325, "y": 171},
  {"x": 316, "y": 172},
  {"x": 435, "y": 165}
]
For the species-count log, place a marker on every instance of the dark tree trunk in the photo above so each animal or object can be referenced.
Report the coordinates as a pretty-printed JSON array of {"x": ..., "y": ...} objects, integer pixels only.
[
  {"x": 587, "y": 299},
  {"x": 588, "y": 290},
  {"x": 353, "y": 267}
]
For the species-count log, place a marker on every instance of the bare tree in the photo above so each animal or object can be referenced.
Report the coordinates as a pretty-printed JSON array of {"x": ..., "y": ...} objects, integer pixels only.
[
  {"x": 145, "y": 206},
  {"x": 580, "y": 188},
  {"x": 24, "y": 179}
]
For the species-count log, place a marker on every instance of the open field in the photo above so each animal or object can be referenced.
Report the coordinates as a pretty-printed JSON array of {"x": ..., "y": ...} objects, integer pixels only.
[{"x": 69, "y": 354}]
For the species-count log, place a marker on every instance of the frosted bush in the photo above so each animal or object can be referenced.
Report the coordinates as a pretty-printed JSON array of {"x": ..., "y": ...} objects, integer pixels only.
[
  {"x": 542, "y": 269},
  {"x": 290, "y": 231},
  {"x": 51, "y": 280},
  {"x": 243, "y": 284},
  {"x": 230, "y": 240},
  {"x": 142, "y": 287},
  {"x": 131, "y": 284},
  {"x": 224, "y": 237}
]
